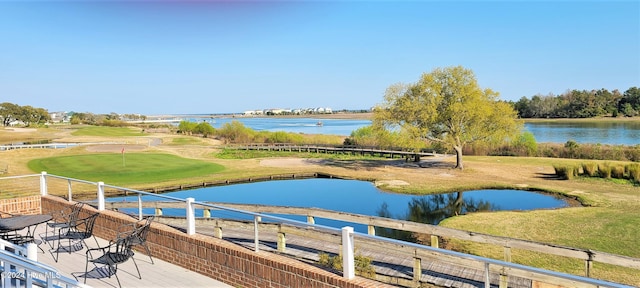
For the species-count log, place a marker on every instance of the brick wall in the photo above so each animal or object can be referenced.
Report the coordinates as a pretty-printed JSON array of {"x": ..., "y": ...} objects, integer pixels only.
[
  {"x": 219, "y": 259},
  {"x": 24, "y": 205}
]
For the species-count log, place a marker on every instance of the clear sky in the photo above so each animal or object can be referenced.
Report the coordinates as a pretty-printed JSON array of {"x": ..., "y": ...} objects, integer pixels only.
[{"x": 217, "y": 57}]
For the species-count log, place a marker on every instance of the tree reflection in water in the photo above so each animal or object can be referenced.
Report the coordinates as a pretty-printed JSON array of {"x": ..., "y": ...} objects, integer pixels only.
[{"x": 431, "y": 209}]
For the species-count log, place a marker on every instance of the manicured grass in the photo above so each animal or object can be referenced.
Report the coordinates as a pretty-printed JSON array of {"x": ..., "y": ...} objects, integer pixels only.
[
  {"x": 107, "y": 131},
  {"x": 135, "y": 169}
]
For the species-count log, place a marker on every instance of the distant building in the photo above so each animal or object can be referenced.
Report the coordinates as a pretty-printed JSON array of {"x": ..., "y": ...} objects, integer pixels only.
[
  {"x": 59, "y": 117},
  {"x": 297, "y": 111},
  {"x": 253, "y": 112}
]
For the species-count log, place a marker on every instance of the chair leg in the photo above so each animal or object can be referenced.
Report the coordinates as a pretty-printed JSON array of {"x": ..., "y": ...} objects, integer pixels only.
[
  {"x": 86, "y": 269},
  {"x": 115, "y": 273},
  {"x": 134, "y": 263},
  {"x": 57, "y": 250},
  {"x": 148, "y": 252}
]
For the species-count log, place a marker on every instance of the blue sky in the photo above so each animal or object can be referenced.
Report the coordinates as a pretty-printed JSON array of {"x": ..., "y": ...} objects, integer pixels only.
[{"x": 219, "y": 57}]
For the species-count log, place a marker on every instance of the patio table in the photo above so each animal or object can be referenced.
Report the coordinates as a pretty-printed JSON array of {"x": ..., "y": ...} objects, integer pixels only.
[{"x": 20, "y": 222}]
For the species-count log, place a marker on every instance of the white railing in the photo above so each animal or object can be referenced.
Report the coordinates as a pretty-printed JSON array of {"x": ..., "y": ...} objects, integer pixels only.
[
  {"x": 30, "y": 250},
  {"x": 19, "y": 268},
  {"x": 348, "y": 236}
]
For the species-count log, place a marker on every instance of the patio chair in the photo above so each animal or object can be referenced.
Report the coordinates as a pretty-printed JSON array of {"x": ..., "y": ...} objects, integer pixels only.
[
  {"x": 76, "y": 232},
  {"x": 112, "y": 255},
  {"x": 140, "y": 230},
  {"x": 62, "y": 219}
]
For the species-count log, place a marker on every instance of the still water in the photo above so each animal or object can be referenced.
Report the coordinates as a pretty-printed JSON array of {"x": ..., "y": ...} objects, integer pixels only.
[
  {"x": 614, "y": 133},
  {"x": 359, "y": 197},
  {"x": 620, "y": 133},
  {"x": 342, "y": 127}
]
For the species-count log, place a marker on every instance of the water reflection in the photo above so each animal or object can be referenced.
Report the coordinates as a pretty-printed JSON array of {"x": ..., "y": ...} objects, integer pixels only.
[{"x": 431, "y": 210}]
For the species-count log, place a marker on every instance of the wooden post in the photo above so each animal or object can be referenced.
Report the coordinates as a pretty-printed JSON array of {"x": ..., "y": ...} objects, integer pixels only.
[
  {"x": 504, "y": 278},
  {"x": 435, "y": 241},
  {"x": 504, "y": 281},
  {"x": 588, "y": 263},
  {"x": 371, "y": 230},
  {"x": 282, "y": 242},
  {"x": 206, "y": 213},
  {"x": 417, "y": 269},
  {"x": 507, "y": 254},
  {"x": 310, "y": 219},
  {"x": 158, "y": 211},
  {"x": 217, "y": 232}
]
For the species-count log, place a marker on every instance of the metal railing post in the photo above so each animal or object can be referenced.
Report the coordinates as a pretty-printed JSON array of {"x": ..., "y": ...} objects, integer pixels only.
[
  {"x": 256, "y": 240},
  {"x": 43, "y": 184},
  {"x": 101, "y": 196},
  {"x": 139, "y": 206},
  {"x": 348, "y": 261},
  {"x": 191, "y": 216},
  {"x": 32, "y": 251},
  {"x": 487, "y": 281}
]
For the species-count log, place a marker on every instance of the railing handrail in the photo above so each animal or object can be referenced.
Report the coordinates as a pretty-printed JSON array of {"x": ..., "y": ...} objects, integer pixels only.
[
  {"x": 70, "y": 179},
  {"x": 146, "y": 193},
  {"x": 19, "y": 176},
  {"x": 398, "y": 150}
]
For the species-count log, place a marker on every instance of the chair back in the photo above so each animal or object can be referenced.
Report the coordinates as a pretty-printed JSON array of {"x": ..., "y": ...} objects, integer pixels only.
[
  {"x": 84, "y": 229},
  {"x": 142, "y": 231},
  {"x": 75, "y": 212},
  {"x": 121, "y": 250}
]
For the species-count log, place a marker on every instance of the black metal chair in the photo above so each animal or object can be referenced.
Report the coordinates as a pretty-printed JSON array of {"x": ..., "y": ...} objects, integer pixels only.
[
  {"x": 61, "y": 219},
  {"x": 140, "y": 232},
  {"x": 77, "y": 232},
  {"x": 112, "y": 255}
]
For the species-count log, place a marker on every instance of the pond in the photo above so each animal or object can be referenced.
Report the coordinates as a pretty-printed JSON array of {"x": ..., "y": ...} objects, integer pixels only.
[{"x": 360, "y": 197}]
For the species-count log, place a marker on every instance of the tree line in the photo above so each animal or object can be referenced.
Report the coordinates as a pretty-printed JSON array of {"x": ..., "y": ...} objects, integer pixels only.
[
  {"x": 26, "y": 115},
  {"x": 581, "y": 104}
]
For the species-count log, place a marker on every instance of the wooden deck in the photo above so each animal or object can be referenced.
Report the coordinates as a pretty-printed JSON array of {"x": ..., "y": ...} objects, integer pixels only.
[{"x": 159, "y": 274}]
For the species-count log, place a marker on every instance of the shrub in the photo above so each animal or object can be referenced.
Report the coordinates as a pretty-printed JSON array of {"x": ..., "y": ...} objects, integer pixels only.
[
  {"x": 617, "y": 172},
  {"x": 364, "y": 267},
  {"x": 590, "y": 169},
  {"x": 362, "y": 264},
  {"x": 565, "y": 172},
  {"x": 604, "y": 170},
  {"x": 634, "y": 172}
]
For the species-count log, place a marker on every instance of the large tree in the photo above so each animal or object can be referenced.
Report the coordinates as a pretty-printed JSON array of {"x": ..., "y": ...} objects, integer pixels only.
[
  {"x": 9, "y": 112},
  {"x": 449, "y": 107}
]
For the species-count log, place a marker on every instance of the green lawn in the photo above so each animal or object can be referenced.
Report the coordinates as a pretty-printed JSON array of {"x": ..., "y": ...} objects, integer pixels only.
[
  {"x": 107, "y": 131},
  {"x": 135, "y": 168}
]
